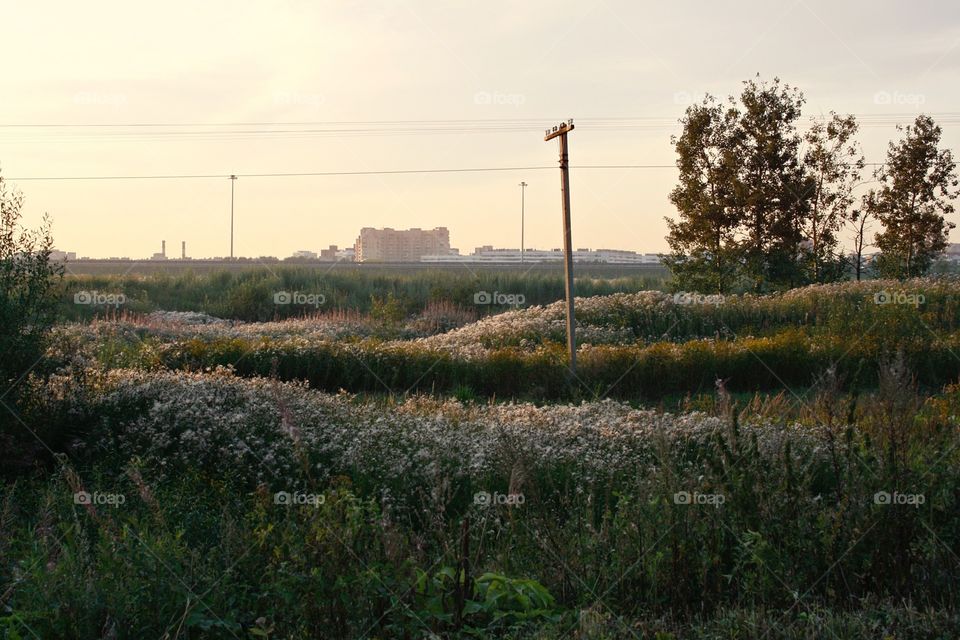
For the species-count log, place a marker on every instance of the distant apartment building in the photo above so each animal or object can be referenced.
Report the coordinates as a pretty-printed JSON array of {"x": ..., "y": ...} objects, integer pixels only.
[
  {"x": 401, "y": 245},
  {"x": 335, "y": 254},
  {"x": 61, "y": 256}
]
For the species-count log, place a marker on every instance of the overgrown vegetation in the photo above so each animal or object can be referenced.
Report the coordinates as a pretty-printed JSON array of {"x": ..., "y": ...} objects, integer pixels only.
[
  {"x": 27, "y": 311},
  {"x": 248, "y": 295},
  {"x": 189, "y": 501},
  {"x": 425, "y": 517},
  {"x": 638, "y": 347}
]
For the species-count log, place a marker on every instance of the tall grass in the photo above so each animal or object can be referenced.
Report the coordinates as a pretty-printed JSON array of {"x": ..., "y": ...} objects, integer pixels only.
[{"x": 249, "y": 294}]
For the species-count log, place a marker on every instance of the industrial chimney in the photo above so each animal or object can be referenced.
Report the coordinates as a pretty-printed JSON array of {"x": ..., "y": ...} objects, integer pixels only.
[
  {"x": 163, "y": 248},
  {"x": 183, "y": 250}
]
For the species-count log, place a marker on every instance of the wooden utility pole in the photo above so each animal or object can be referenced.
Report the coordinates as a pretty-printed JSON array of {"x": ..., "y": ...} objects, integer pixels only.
[{"x": 561, "y": 132}]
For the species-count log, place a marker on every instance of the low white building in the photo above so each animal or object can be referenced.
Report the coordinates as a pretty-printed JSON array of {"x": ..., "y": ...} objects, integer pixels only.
[
  {"x": 952, "y": 254},
  {"x": 490, "y": 255},
  {"x": 60, "y": 256}
]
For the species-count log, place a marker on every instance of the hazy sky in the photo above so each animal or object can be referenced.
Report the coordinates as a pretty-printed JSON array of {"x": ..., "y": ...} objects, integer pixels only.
[{"x": 527, "y": 64}]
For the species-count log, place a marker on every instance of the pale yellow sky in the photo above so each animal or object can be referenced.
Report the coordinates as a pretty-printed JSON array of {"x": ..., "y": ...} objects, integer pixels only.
[{"x": 287, "y": 61}]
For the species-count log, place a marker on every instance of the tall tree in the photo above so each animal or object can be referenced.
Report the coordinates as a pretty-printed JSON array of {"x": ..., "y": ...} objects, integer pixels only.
[
  {"x": 833, "y": 162},
  {"x": 771, "y": 186},
  {"x": 752, "y": 207},
  {"x": 917, "y": 183},
  {"x": 703, "y": 241}
]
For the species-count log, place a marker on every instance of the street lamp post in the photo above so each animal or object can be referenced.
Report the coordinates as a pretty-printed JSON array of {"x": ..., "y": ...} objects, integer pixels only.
[
  {"x": 233, "y": 180},
  {"x": 523, "y": 188}
]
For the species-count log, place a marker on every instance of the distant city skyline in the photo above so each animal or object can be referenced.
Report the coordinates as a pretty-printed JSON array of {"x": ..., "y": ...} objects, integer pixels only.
[
  {"x": 317, "y": 248},
  {"x": 333, "y": 251},
  {"x": 263, "y": 89}
]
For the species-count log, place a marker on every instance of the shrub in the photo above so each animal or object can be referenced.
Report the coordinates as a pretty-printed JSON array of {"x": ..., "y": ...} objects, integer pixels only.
[{"x": 27, "y": 311}]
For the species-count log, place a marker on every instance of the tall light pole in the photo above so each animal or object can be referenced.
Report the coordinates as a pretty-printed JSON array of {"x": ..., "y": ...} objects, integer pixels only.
[
  {"x": 233, "y": 180},
  {"x": 523, "y": 188},
  {"x": 561, "y": 132}
]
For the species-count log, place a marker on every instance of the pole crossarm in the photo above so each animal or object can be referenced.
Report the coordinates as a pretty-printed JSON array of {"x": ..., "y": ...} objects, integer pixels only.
[{"x": 559, "y": 130}]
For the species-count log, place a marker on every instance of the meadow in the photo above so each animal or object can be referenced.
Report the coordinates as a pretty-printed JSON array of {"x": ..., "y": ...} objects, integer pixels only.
[
  {"x": 419, "y": 466},
  {"x": 641, "y": 346},
  {"x": 246, "y": 293}
]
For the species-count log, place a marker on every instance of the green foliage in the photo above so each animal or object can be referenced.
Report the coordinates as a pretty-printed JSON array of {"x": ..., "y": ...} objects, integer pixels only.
[
  {"x": 209, "y": 552},
  {"x": 263, "y": 570},
  {"x": 27, "y": 311},
  {"x": 389, "y": 310},
  {"x": 772, "y": 183},
  {"x": 491, "y": 603},
  {"x": 834, "y": 164},
  {"x": 756, "y": 210},
  {"x": 918, "y": 184},
  {"x": 27, "y": 281},
  {"x": 465, "y": 394},
  {"x": 703, "y": 242},
  {"x": 753, "y": 208},
  {"x": 503, "y": 601}
]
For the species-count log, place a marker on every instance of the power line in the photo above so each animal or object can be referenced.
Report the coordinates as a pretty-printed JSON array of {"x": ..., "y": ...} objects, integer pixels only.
[
  {"x": 152, "y": 131},
  {"x": 497, "y": 122},
  {"x": 292, "y": 174},
  {"x": 336, "y": 173}
]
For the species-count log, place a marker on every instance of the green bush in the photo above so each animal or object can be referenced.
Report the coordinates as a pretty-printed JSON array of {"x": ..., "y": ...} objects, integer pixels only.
[{"x": 28, "y": 281}]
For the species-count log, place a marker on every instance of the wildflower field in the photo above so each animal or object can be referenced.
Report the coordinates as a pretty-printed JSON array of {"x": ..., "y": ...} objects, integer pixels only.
[
  {"x": 783, "y": 466},
  {"x": 639, "y": 346}
]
